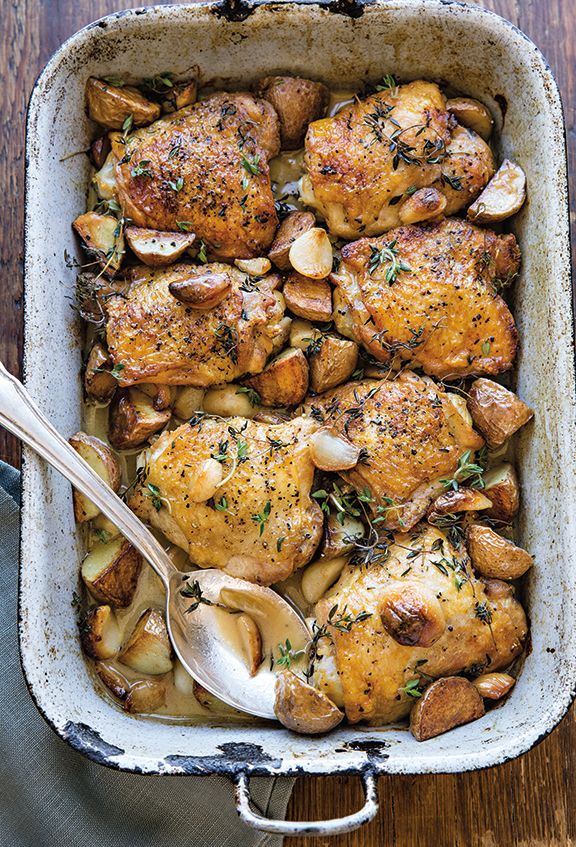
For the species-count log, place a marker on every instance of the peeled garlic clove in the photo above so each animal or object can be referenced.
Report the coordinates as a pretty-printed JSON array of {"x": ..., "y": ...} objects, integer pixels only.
[
  {"x": 183, "y": 682},
  {"x": 331, "y": 451},
  {"x": 254, "y": 267},
  {"x": 320, "y": 576},
  {"x": 502, "y": 197},
  {"x": 251, "y": 642},
  {"x": 493, "y": 686},
  {"x": 311, "y": 254}
]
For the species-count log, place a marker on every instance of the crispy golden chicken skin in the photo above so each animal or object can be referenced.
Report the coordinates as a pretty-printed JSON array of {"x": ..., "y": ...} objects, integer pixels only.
[
  {"x": 425, "y": 294},
  {"x": 260, "y": 523},
  {"x": 153, "y": 337},
  {"x": 412, "y": 436},
  {"x": 429, "y": 616},
  {"x": 364, "y": 162},
  {"x": 205, "y": 169}
]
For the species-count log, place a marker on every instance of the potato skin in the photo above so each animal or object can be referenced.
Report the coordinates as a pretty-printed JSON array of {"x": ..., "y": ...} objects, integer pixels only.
[
  {"x": 99, "y": 384},
  {"x": 292, "y": 227},
  {"x": 302, "y": 708},
  {"x": 110, "y": 105},
  {"x": 116, "y": 583},
  {"x": 127, "y": 427},
  {"x": 297, "y": 101},
  {"x": 503, "y": 491},
  {"x": 284, "y": 382},
  {"x": 447, "y": 703},
  {"x": 494, "y": 556},
  {"x": 496, "y": 412},
  {"x": 333, "y": 363},
  {"x": 308, "y": 298}
]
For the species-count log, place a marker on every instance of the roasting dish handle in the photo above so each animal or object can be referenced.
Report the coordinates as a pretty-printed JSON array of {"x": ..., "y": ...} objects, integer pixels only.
[{"x": 334, "y": 826}]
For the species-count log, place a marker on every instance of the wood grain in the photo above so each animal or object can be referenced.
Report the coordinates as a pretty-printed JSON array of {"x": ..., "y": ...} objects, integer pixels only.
[{"x": 529, "y": 802}]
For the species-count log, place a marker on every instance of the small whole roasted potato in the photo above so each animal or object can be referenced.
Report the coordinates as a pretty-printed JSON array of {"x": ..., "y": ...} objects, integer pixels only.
[
  {"x": 331, "y": 451},
  {"x": 493, "y": 686},
  {"x": 320, "y": 576},
  {"x": 411, "y": 614},
  {"x": 111, "y": 105},
  {"x": 297, "y": 102},
  {"x": 308, "y": 298},
  {"x": 201, "y": 292},
  {"x": 100, "y": 633},
  {"x": 229, "y": 401},
  {"x": 495, "y": 556},
  {"x": 311, "y": 254},
  {"x": 424, "y": 205},
  {"x": 99, "y": 383},
  {"x": 103, "y": 239},
  {"x": 445, "y": 704},
  {"x": 103, "y": 461},
  {"x": 472, "y": 114},
  {"x": 292, "y": 227},
  {"x": 503, "y": 196},
  {"x": 284, "y": 381},
  {"x": 302, "y": 708},
  {"x": 110, "y": 572},
  {"x": 133, "y": 419},
  {"x": 503, "y": 490},
  {"x": 332, "y": 363},
  {"x": 148, "y": 649},
  {"x": 496, "y": 412},
  {"x": 156, "y": 248}
]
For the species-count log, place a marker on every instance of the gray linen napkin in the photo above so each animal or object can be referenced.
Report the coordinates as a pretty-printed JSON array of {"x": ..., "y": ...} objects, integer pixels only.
[{"x": 50, "y": 795}]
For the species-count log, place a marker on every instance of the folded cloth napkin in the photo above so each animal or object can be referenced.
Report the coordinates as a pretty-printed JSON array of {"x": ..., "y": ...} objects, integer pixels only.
[{"x": 53, "y": 796}]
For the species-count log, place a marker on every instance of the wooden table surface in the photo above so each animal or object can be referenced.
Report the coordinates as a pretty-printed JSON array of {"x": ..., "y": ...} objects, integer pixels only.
[{"x": 528, "y": 802}]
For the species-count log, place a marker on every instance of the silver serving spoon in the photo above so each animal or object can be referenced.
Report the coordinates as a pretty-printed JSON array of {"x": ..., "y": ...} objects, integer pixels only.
[{"x": 202, "y": 637}]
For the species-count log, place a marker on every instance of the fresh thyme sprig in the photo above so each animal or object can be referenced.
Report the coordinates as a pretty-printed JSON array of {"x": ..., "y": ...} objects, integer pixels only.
[{"x": 387, "y": 254}]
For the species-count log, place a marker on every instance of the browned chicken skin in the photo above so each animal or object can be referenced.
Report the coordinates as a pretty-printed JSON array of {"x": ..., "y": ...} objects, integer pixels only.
[
  {"x": 364, "y": 162},
  {"x": 426, "y": 294},
  {"x": 153, "y": 337},
  {"x": 266, "y": 471},
  {"x": 412, "y": 436},
  {"x": 429, "y": 616},
  {"x": 205, "y": 169}
]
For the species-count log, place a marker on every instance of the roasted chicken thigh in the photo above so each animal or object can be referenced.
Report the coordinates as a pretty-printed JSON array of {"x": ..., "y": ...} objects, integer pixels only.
[
  {"x": 412, "y": 436},
  {"x": 426, "y": 294},
  {"x": 235, "y": 495},
  {"x": 204, "y": 169},
  {"x": 154, "y": 337},
  {"x": 427, "y": 616},
  {"x": 365, "y": 162}
]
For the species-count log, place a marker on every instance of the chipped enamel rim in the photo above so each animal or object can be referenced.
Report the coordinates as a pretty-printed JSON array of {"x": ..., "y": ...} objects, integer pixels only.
[{"x": 484, "y": 50}]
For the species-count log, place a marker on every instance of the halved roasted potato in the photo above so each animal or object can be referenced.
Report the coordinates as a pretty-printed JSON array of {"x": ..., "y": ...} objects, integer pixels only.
[
  {"x": 201, "y": 292},
  {"x": 303, "y": 334},
  {"x": 284, "y": 381},
  {"x": 156, "y": 248},
  {"x": 111, "y": 105},
  {"x": 462, "y": 500},
  {"x": 103, "y": 461},
  {"x": 472, "y": 114},
  {"x": 503, "y": 490},
  {"x": 302, "y": 708},
  {"x": 110, "y": 572},
  {"x": 332, "y": 363},
  {"x": 231, "y": 401},
  {"x": 104, "y": 180},
  {"x": 104, "y": 529},
  {"x": 331, "y": 451},
  {"x": 145, "y": 696},
  {"x": 180, "y": 95},
  {"x": 496, "y": 412},
  {"x": 189, "y": 399},
  {"x": 341, "y": 538},
  {"x": 494, "y": 556},
  {"x": 320, "y": 576},
  {"x": 311, "y": 254},
  {"x": 103, "y": 239},
  {"x": 114, "y": 681},
  {"x": 162, "y": 396},
  {"x": 292, "y": 227},
  {"x": 308, "y": 298},
  {"x": 100, "y": 633},
  {"x": 148, "y": 649},
  {"x": 100, "y": 150},
  {"x": 502, "y": 197},
  {"x": 133, "y": 419},
  {"x": 99, "y": 383},
  {"x": 297, "y": 102},
  {"x": 424, "y": 205},
  {"x": 445, "y": 704}
]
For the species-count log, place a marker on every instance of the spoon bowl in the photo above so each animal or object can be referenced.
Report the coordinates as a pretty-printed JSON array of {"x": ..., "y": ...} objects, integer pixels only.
[{"x": 204, "y": 638}]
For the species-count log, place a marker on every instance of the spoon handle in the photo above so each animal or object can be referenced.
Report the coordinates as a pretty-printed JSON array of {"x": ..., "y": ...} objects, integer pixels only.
[{"x": 20, "y": 416}]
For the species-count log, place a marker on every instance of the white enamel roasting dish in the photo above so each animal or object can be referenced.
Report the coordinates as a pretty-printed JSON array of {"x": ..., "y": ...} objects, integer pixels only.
[{"x": 344, "y": 44}]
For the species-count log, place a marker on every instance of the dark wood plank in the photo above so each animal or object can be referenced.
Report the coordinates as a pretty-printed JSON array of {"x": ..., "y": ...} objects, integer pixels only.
[{"x": 529, "y": 802}]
